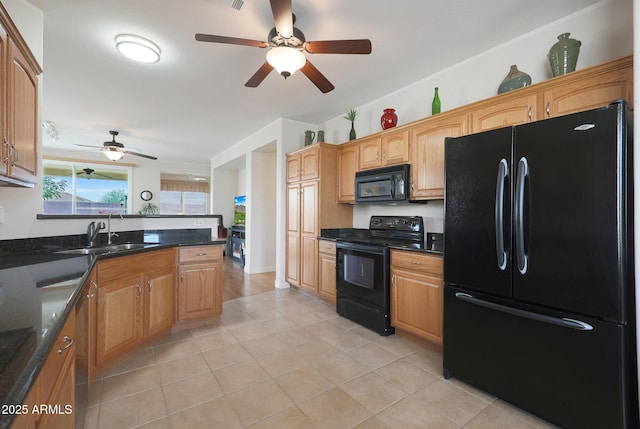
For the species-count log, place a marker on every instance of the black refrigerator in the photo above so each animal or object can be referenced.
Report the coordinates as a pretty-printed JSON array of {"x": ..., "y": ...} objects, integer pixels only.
[{"x": 539, "y": 303}]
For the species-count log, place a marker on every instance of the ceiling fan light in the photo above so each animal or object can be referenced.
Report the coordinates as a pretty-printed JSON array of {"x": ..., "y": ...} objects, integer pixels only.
[
  {"x": 137, "y": 48},
  {"x": 286, "y": 60},
  {"x": 112, "y": 154}
]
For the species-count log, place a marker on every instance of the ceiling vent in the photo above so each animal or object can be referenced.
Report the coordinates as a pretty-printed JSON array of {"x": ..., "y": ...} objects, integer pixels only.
[{"x": 235, "y": 4}]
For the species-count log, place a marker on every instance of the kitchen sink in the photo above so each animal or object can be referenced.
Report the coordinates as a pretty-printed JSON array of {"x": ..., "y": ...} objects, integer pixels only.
[{"x": 111, "y": 248}]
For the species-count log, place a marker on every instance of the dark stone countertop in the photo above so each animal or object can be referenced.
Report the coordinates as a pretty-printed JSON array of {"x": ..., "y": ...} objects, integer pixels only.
[{"x": 39, "y": 289}]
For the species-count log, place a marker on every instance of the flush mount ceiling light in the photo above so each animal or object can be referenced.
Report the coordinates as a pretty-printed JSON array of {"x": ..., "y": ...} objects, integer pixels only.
[
  {"x": 286, "y": 60},
  {"x": 137, "y": 48}
]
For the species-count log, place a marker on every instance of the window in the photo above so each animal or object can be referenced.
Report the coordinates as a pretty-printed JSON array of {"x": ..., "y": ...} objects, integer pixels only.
[
  {"x": 85, "y": 188},
  {"x": 183, "y": 197}
]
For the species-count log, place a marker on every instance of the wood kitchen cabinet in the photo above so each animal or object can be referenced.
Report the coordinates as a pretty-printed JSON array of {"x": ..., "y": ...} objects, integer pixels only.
[
  {"x": 54, "y": 386},
  {"x": 347, "y": 167},
  {"x": 327, "y": 270},
  {"x": 426, "y": 153},
  {"x": 18, "y": 105},
  {"x": 312, "y": 205},
  {"x": 370, "y": 152},
  {"x": 86, "y": 327},
  {"x": 200, "y": 283},
  {"x": 303, "y": 165},
  {"x": 395, "y": 147},
  {"x": 387, "y": 148},
  {"x": 509, "y": 111},
  {"x": 574, "y": 92},
  {"x": 417, "y": 295},
  {"x": 133, "y": 301},
  {"x": 590, "y": 88}
]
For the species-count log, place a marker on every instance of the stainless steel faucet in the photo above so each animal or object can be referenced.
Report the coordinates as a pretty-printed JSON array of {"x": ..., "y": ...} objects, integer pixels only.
[
  {"x": 92, "y": 232},
  {"x": 109, "y": 233}
]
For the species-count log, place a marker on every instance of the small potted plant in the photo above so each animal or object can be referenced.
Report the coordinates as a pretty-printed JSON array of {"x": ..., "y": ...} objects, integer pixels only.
[{"x": 351, "y": 116}]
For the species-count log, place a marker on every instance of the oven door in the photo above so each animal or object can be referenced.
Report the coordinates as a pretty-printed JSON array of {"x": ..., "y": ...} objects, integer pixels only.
[{"x": 362, "y": 272}]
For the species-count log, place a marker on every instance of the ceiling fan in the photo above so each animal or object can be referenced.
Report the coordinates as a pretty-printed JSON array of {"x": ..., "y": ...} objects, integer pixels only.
[
  {"x": 287, "y": 44},
  {"x": 115, "y": 150},
  {"x": 91, "y": 172}
]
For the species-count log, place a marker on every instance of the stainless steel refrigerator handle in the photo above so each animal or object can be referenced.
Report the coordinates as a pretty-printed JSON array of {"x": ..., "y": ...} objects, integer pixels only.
[
  {"x": 565, "y": 322},
  {"x": 521, "y": 256},
  {"x": 503, "y": 173}
]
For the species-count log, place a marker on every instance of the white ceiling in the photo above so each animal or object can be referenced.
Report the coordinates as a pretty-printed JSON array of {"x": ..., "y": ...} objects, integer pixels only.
[{"x": 193, "y": 104}]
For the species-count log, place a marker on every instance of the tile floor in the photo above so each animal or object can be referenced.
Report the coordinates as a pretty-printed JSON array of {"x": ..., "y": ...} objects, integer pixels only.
[{"x": 284, "y": 359}]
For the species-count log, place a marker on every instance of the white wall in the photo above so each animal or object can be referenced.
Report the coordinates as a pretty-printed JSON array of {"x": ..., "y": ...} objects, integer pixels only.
[
  {"x": 288, "y": 136},
  {"x": 262, "y": 213}
]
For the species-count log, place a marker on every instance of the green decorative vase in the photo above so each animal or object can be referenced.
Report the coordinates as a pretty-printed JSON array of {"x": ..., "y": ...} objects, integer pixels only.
[
  {"x": 352, "y": 133},
  {"x": 563, "y": 55},
  {"x": 435, "y": 104},
  {"x": 515, "y": 79}
]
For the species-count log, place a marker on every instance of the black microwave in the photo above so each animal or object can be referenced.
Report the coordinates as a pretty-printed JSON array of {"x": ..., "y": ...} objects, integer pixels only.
[{"x": 380, "y": 185}]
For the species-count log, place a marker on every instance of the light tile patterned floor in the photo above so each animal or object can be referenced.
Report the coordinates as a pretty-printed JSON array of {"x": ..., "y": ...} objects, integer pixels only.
[{"x": 284, "y": 359}]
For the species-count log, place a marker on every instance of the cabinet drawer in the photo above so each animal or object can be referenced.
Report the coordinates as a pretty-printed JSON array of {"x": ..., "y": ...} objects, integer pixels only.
[
  {"x": 114, "y": 268},
  {"x": 62, "y": 349},
  {"x": 325, "y": 246},
  {"x": 195, "y": 254},
  {"x": 417, "y": 262}
]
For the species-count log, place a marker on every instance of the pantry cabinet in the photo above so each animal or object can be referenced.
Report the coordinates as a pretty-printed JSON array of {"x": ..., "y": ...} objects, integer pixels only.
[
  {"x": 18, "y": 106},
  {"x": 200, "y": 283},
  {"x": 417, "y": 295},
  {"x": 311, "y": 206}
]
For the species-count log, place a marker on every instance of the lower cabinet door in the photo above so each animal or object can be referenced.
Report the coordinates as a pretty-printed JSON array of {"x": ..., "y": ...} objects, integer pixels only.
[
  {"x": 199, "y": 290},
  {"x": 119, "y": 317},
  {"x": 159, "y": 308}
]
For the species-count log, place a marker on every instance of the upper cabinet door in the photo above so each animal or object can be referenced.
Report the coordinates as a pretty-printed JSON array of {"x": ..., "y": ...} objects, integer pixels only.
[
  {"x": 310, "y": 164},
  {"x": 369, "y": 153},
  {"x": 395, "y": 147},
  {"x": 347, "y": 167},
  {"x": 426, "y": 149},
  {"x": 513, "y": 111},
  {"x": 22, "y": 118},
  {"x": 589, "y": 92}
]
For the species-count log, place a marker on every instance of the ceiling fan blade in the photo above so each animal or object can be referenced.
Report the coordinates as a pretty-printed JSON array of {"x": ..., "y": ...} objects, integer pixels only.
[
  {"x": 317, "y": 78},
  {"x": 283, "y": 17},
  {"x": 138, "y": 154},
  {"x": 356, "y": 46},
  {"x": 88, "y": 145},
  {"x": 230, "y": 40},
  {"x": 259, "y": 76}
]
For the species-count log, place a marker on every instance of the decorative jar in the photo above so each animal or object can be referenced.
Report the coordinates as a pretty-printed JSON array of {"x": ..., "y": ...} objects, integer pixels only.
[
  {"x": 563, "y": 55},
  {"x": 515, "y": 79},
  {"x": 389, "y": 119}
]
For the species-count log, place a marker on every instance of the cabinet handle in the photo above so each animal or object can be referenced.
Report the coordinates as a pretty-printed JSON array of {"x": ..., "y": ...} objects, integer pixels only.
[
  {"x": 150, "y": 285},
  {"x": 8, "y": 157},
  {"x": 201, "y": 254},
  {"x": 529, "y": 113},
  {"x": 416, "y": 262},
  {"x": 548, "y": 109},
  {"x": 393, "y": 280},
  {"x": 139, "y": 289},
  {"x": 17, "y": 157},
  {"x": 95, "y": 287},
  {"x": 66, "y": 340},
  {"x": 181, "y": 275}
]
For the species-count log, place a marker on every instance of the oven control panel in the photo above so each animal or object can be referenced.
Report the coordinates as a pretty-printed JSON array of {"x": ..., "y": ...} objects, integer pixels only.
[{"x": 397, "y": 223}]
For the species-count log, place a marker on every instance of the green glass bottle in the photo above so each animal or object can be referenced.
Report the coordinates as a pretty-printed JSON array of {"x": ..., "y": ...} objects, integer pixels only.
[{"x": 435, "y": 105}]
